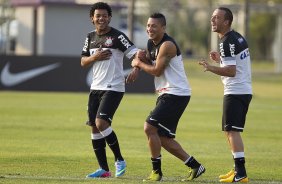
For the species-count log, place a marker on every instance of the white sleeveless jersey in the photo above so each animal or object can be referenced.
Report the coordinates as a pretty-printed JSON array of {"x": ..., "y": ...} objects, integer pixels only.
[
  {"x": 234, "y": 51},
  {"x": 108, "y": 74},
  {"x": 173, "y": 80}
]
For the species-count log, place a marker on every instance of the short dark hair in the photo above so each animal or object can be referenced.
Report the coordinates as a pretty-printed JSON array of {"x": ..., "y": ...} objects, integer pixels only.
[
  {"x": 100, "y": 5},
  {"x": 228, "y": 14},
  {"x": 159, "y": 16}
]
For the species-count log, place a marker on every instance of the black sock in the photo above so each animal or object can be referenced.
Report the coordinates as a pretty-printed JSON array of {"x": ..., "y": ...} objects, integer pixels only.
[
  {"x": 240, "y": 166},
  {"x": 99, "y": 147},
  {"x": 156, "y": 162},
  {"x": 112, "y": 141},
  {"x": 192, "y": 162}
]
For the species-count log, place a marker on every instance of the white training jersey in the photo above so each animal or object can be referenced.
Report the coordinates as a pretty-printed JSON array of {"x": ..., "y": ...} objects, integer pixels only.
[
  {"x": 108, "y": 74},
  {"x": 173, "y": 80},
  {"x": 234, "y": 51}
]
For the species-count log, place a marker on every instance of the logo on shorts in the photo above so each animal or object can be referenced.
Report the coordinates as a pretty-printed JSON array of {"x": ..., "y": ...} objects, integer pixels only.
[{"x": 152, "y": 119}]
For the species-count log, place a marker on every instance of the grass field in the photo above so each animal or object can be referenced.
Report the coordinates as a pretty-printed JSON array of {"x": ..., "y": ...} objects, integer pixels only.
[{"x": 43, "y": 137}]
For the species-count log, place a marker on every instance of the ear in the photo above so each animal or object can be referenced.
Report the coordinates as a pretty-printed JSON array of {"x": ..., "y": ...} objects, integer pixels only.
[
  {"x": 91, "y": 19},
  {"x": 164, "y": 27},
  {"x": 110, "y": 18}
]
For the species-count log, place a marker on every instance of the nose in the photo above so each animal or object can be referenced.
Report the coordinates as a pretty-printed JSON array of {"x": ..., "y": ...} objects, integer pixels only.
[
  {"x": 212, "y": 19},
  {"x": 149, "y": 29}
]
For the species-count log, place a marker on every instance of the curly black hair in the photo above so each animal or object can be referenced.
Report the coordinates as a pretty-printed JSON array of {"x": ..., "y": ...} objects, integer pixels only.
[{"x": 100, "y": 5}]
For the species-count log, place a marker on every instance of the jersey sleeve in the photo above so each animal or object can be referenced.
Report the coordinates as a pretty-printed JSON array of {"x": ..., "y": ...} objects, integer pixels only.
[
  {"x": 85, "y": 49},
  {"x": 227, "y": 52},
  {"x": 126, "y": 46}
]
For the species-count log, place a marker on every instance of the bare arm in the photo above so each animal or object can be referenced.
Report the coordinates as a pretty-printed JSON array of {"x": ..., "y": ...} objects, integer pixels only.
[
  {"x": 228, "y": 71},
  {"x": 143, "y": 55},
  {"x": 166, "y": 52},
  {"x": 215, "y": 56}
]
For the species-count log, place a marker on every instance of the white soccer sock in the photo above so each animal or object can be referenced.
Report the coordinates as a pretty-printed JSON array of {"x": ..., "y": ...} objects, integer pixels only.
[{"x": 238, "y": 155}]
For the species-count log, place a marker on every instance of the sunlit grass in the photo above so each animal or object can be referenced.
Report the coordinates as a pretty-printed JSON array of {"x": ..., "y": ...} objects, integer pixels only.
[{"x": 44, "y": 139}]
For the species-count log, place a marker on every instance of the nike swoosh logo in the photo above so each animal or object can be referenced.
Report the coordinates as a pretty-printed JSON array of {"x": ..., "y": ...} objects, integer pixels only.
[
  {"x": 153, "y": 119},
  {"x": 11, "y": 79},
  {"x": 102, "y": 114},
  {"x": 238, "y": 179}
]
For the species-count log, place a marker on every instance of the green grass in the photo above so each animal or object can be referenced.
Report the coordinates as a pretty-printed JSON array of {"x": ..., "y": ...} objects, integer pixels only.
[{"x": 43, "y": 137}]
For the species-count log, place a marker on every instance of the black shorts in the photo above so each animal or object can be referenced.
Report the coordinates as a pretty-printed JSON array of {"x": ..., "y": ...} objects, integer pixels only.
[
  {"x": 103, "y": 105},
  {"x": 167, "y": 113},
  {"x": 235, "y": 108}
]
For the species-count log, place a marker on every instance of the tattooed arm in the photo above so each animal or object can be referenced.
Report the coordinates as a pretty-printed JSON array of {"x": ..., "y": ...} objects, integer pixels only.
[{"x": 166, "y": 52}]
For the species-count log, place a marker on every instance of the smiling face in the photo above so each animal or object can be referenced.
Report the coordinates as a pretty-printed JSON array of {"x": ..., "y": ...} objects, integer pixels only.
[
  {"x": 101, "y": 20},
  {"x": 155, "y": 29},
  {"x": 218, "y": 22}
]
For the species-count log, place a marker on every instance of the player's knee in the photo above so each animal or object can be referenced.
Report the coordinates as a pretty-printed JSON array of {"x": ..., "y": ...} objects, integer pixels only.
[
  {"x": 149, "y": 129},
  {"x": 101, "y": 124}
]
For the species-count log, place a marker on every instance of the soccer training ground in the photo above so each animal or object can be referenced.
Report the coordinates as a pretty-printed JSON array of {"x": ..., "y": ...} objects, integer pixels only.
[{"x": 44, "y": 139}]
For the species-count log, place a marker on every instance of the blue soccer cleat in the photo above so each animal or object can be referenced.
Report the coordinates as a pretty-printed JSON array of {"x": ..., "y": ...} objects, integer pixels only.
[
  {"x": 120, "y": 168},
  {"x": 99, "y": 173}
]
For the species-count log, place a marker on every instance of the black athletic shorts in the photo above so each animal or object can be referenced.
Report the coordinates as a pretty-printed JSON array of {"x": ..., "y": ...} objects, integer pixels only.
[
  {"x": 167, "y": 113},
  {"x": 103, "y": 105},
  {"x": 235, "y": 108}
]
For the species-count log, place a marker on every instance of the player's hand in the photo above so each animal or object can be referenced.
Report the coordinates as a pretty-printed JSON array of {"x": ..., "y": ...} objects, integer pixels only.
[
  {"x": 133, "y": 75},
  {"x": 101, "y": 54},
  {"x": 141, "y": 54},
  {"x": 205, "y": 64},
  {"x": 215, "y": 56},
  {"x": 135, "y": 62}
]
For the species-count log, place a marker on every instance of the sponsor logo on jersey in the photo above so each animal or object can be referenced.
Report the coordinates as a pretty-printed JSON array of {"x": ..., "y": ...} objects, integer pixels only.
[
  {"x": 85, "y": 45},
  {"x": 109, "y": 41},
  {"x": 124, "y": 41},
  {"x": 244, "y": 54},
  {"x": 240, "y": 40},
  {"x": 232, "y": 49},
  {"x": 221, "y": 50}
]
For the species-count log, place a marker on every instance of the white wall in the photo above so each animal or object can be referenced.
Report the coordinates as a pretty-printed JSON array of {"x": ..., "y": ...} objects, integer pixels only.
[
  {"x": 64, "y": 30},
  {"x": 24, "y": 38},
  {"x": 61, "y": 30}
]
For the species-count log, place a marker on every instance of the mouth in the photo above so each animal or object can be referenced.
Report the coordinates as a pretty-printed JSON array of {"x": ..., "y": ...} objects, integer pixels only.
[
  {"x": 101, "y": 23},
  {"x": 150, "y": 34}
]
